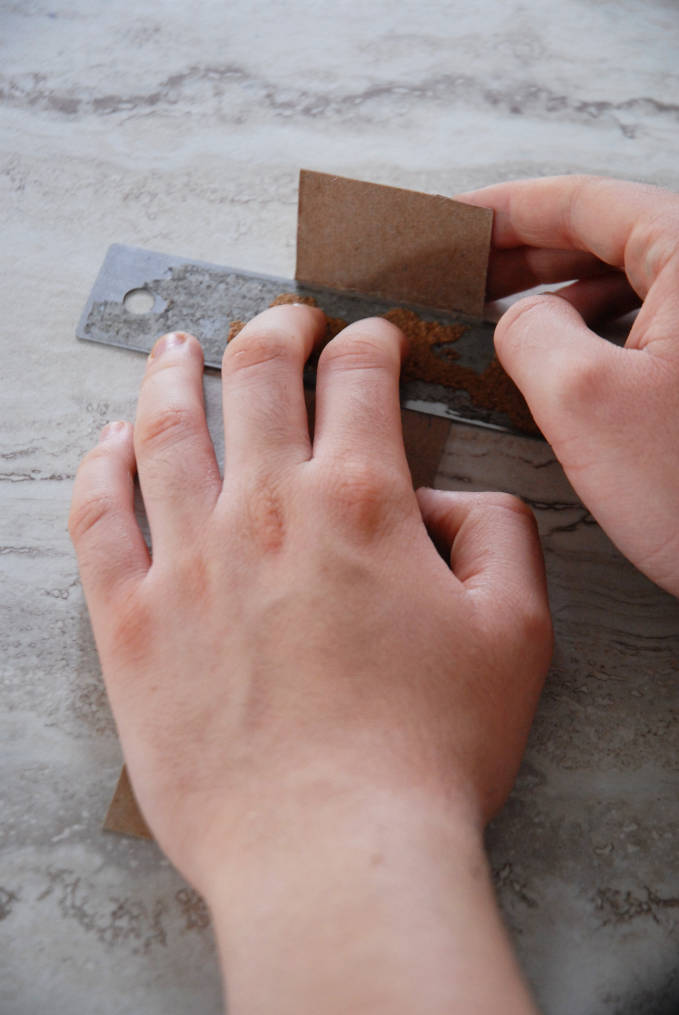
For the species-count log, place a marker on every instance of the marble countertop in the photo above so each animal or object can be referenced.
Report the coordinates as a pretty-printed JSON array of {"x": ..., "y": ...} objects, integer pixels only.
[{"x": 182, "y": 128}]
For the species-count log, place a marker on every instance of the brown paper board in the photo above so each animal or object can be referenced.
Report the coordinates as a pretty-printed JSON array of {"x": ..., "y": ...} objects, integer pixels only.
[
  {"x": 392, "y": 243},
  {"x": 425, "y": 441},
  {"x": 124, "y": 815}
]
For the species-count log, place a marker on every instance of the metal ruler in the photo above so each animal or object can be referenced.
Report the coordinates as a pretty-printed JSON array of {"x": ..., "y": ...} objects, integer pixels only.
[{"x": 140, "y": 294}]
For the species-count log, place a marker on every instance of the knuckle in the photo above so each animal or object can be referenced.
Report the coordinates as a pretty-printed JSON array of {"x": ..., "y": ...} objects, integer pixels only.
[
  {"x": 580, "y": 184},
  {"x": 363, "y": 494},
  {"x": 266, "y": 345},
  {"x": 507, "y": 502},
  {"x": 165, "y": 426},
  {"x": 535, "y": 624},
  {"x": 131, "y": 624},
  {"x": 357, "y": 350},
  {"x": 187, "y": 577},
  {"x": 522, "y": 624},
  {"x": 88, "y": 511},
  {"x": 584, "y": 383},
  {"x": 653, "y": 245}
]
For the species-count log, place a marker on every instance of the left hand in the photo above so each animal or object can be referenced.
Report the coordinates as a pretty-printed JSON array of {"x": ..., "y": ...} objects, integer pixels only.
[{"x": 611, "y": 414}]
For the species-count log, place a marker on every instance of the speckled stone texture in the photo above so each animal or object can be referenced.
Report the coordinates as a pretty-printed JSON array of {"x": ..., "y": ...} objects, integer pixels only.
[{"x": 182, "y": 128}]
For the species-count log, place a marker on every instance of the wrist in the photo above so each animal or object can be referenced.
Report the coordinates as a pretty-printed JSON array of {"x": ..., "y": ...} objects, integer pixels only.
[
  {"x": 313, "y": 812},
  {"x": 375, "y": 902}
]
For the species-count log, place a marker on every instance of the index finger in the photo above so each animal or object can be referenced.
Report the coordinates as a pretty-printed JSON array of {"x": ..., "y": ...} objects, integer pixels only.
[{"x": 633, "y": 226}]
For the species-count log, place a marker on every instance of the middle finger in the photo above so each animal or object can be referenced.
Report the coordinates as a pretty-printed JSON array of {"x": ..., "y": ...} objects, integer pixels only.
[{"x": 265, "y": 416}]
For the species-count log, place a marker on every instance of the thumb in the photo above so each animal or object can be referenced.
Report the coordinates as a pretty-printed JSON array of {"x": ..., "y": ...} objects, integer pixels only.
[{"x": 564, "y": 370}]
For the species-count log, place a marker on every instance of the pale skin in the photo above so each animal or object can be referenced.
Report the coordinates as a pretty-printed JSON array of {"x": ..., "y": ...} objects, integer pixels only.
[
  {"x": 319, "y": 712},
  {"x": 610, "y": 413}
]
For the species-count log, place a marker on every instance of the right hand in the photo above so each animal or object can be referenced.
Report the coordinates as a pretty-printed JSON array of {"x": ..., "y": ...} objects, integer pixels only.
[
  {"x": 610, "y": 413},
  {"x": 296, "y": 618},
  {"x": 317, "y": 711}
]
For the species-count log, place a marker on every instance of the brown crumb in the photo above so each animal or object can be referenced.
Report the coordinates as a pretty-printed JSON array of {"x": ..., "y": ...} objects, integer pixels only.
[
  {"x": 234, "y": 328},
  {"x": 286, "y": 298}
]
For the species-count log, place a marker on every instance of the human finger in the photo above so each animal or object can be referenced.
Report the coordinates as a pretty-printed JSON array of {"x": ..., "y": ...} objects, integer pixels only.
[
  {"x": 357, "y": 394},
  {"x": 627, "y": 225},
  {"x": 492, "y": 543},
  {"x": 178, "y": 471},
  {"x": 609, "y": 414},
  {"x": 262, "y": 387},
  {"x": 109, "y": 545},
  {"x": 558, "y": 363},
  {"x": 601, "y": 299},
  {"x": 519, "y": 268}
]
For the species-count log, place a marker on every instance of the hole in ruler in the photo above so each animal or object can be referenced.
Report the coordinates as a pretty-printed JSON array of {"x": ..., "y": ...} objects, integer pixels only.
[{"x": 138, "y": 301}]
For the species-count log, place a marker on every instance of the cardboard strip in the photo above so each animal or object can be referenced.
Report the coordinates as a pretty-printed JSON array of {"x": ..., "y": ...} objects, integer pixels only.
[
  {"x": 425, "y": 439},
  {"x": 392, "y": 243},
  {"x": 123, "y": 814}
]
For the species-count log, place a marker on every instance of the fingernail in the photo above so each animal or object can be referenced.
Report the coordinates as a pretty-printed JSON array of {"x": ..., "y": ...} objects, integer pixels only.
[
  {"x": 112, "y": 430},
  {"x": 310, "y": 306},
  {"x": 172, "y": 340}
]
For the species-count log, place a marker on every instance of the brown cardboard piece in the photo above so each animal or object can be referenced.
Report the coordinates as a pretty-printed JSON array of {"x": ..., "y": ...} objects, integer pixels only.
[
  {"x": 392, "y": 243},
  {"x": 124, "y": 815},
  {"x": 386, "y": 242}
]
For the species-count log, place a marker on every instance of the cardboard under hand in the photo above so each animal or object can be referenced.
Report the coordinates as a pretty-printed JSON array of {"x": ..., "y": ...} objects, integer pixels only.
[
  {"x": 392, "y": 243},
  {"x": 124, "y": 815}
]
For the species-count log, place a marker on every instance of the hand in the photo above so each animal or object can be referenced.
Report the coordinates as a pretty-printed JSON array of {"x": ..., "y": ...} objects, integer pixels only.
[
  {"x": 297, "y": 655},
  {"x": 610, "y": 413}
]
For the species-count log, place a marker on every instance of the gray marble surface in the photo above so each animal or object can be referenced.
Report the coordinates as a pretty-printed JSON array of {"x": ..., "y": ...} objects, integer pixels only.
[{"x": 182, "y": 128}]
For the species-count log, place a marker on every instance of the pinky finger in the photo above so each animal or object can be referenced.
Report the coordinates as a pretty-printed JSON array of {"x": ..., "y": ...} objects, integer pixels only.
[
  {"x": 495, "y": 552},
  {"x": 492, "y": 541},
  {"x": 108, "y": 542}
]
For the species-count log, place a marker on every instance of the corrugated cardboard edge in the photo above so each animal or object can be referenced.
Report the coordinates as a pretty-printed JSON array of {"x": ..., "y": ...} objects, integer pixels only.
[{"x": 392, "y": 243}]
